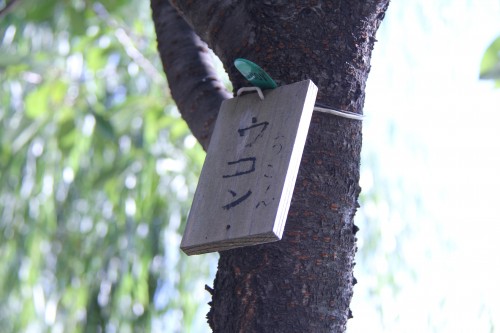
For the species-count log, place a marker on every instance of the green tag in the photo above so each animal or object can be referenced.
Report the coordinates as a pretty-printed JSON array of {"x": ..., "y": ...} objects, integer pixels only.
[{"x": 253, "y": 73}]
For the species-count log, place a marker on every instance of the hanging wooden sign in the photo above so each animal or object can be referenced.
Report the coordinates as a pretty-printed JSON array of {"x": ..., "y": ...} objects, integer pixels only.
[{"x": 247, "y": 181}]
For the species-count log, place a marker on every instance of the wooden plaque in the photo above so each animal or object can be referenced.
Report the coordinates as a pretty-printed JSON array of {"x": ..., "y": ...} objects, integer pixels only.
[{"x": 249, "y": 174}]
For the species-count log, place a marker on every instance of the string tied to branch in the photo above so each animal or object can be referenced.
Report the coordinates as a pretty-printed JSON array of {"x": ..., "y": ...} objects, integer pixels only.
[{"x": 317, "y": 107}]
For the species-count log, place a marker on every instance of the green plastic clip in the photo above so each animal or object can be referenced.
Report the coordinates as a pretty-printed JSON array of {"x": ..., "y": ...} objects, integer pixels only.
[{"x": 253, "y": 73}]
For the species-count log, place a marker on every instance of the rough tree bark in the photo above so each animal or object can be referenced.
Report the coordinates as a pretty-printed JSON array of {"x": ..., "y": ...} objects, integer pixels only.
[{"x": 302, "y": 283}]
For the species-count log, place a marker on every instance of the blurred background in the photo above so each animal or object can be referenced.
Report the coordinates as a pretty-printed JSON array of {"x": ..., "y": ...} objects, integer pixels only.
[
  {"x": 429, "y": 250},
  {"x": 98, "y": 171}
]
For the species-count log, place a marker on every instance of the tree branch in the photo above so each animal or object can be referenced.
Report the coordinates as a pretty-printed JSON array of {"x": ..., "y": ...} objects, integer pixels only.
[
  {"x": 192, "y": 79},
  {"x": 126, "y": 38},
  {"x": 7, "y": 8},
  {"x": 228, "y": 29}
]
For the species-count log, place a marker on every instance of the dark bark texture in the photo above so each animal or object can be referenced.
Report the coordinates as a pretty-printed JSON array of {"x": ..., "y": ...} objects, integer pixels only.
[
  {"x": 302, "y": 283},
  {"x": 193, "y": 82}
]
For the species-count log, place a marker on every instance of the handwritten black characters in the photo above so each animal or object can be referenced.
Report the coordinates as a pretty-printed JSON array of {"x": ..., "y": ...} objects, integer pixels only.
[
  {"x": 245, "y": 166},
  {"x": 237, "y": 201},
  {"x": 262, "y": 126},
  {"x": 238, "y": 172}
]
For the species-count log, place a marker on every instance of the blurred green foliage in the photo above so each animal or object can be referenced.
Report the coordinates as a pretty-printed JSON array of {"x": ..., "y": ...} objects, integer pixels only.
[
  {"x": 97, "y": 169},
  {"x": 490, "y": 64}
]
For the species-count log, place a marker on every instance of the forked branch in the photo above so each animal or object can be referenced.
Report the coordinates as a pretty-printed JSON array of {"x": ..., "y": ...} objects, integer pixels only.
[{"x": 192, "y": 79}]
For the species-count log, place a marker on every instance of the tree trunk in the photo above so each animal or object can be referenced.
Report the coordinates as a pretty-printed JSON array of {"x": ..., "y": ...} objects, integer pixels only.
[{"x": 302, "y": 283}]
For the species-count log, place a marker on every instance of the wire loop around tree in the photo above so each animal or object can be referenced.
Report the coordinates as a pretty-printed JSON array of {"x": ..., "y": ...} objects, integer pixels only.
[{"x": 339, "y": 113}]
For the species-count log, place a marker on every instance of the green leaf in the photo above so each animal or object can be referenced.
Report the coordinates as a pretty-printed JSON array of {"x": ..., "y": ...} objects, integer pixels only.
[
  {"x": 40, "y": 11},
  {"x": 95, "y": 59},
  {"x": 66, "y": 135},
  {"x": 8, "y": 60},
  {"x": 77, "y": 23},
  {"x": 490, "y": 64},
  {"x": 113, "y": 5},
  {"x": 37, "y": 101},
  {"x": 48, "y": 96},
  {"x": 104, "y": 127}
]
